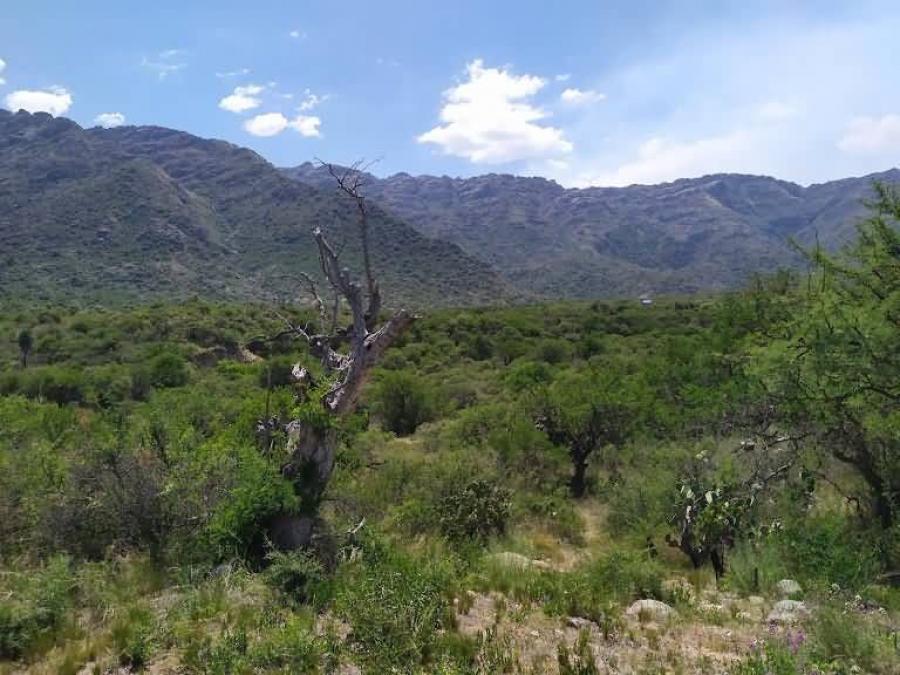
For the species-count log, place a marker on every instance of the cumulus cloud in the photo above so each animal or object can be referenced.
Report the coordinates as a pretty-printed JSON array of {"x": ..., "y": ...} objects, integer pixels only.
[
  {"x": 662, "y": 159},
  {"x": 2, "y": 68},
  {"x": 872, "y": 136},
  {"x": 109, "y": 120},
  {"x": 311, "y": 101},
  {"x": 563, "y": 77},
  {"x": 574, "y": 96},
  {"x": 297, "y": 34},
  {"x": 272, "y": 124},
  {"x": 490, "y": 119},
  {"x": 306, "y": 125},
  {"x": 165, "y": 63},
  {"x": 55, "y": 100},
  {"x": 242, "y": 99}
]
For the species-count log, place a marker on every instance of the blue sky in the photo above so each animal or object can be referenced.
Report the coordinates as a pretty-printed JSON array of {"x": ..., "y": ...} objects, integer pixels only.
[{"x": 584, "y": 92}]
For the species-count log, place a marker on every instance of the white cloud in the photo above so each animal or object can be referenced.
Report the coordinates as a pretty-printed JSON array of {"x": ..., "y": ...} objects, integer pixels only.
[
  {"x": 489, "y": 119},
  {"x": 55, "y": 100},
  {"x": 233, "y": 73},
  {"x": 662, "y": 159},
  {"x": 574, "y": 96},
  {"x": 306, "y": 125},
  {"x": 872, "y": 136},
  {"x": 272, "y": 124},
  {"x": 2, "y": 68},
  {"x": 311, "y": 101},
  {"x": 242, "y": 99},
  {"x": 109, "y": 120},
  {"x": 165, "y": 63},
  {"x": 297, "y": 34},
  {"x": 563, "y": 77},
  {"x": 267, "y": 124}
]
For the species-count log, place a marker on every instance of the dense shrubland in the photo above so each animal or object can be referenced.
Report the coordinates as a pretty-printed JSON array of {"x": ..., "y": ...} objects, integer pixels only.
[{"x": 548, "y": 453}]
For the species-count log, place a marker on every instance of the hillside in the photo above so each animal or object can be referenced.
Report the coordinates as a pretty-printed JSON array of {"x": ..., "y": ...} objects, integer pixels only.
[
  {"x": 693, "y": 234},
  {"x": 144, "y": 212}
]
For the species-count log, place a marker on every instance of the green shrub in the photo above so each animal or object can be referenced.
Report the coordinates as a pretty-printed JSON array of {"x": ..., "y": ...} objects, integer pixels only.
[
  {"x": 755, "y": 567},
  {"x": 168, "y": 369},
  {"x": 395, "y": 605},
  {"x": 299, "y": 576},
  {"x": 403, "y": 401},
  {"x": 475, "y": 511},
  {"x": 34, "y": 606},
  {"x": 826, "y": 549}
]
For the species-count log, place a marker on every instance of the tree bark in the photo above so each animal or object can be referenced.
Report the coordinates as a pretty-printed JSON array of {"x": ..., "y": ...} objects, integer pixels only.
[{"x": 577, "y": 484}]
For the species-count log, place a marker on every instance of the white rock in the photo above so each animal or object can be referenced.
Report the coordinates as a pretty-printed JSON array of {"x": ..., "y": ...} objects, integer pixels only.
[
  {"x": 653, "y": 610},
  {"x": 788, "y": 587},
  {"x": 510, "y": 559},
  {"x": 578, "y": 622},
  {"x": 788, "y": 611}
]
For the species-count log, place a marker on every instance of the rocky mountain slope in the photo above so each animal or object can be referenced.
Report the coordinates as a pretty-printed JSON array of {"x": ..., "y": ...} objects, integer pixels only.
[
  {"x": 693, "y": 234},
  {"x": 144, "y": 212}
]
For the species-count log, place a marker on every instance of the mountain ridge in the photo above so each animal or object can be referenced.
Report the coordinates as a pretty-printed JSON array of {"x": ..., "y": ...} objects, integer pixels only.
[
  {"x": 705, "y": 233},
  {"x": 149, "y": 212}
]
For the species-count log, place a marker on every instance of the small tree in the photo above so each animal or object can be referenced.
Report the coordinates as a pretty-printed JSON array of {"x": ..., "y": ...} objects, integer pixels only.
[
  {"x": 585, "y": 412},
  {"x": 26, "y": 342},
  {"x": 403, "y": 401},
  {"x": 833, "y": 375}
]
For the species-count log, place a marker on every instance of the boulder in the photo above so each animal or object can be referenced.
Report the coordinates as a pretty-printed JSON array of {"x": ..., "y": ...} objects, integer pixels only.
[
  {"x": 652, "y": 610},
  {"x": 788, "y": 612},
  {"x": 510, "y": 559},
  {"x": 788, "y": 587}
]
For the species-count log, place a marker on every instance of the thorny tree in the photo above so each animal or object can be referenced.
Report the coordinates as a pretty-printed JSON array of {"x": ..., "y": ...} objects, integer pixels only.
[{"x": 347, "y": 354}]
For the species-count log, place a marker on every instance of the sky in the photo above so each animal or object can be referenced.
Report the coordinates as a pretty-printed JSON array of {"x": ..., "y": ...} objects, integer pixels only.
[{"x": 585, "y": 92}]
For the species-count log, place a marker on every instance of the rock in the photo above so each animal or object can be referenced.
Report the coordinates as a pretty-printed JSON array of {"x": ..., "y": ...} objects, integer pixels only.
[
  {"x": 578, "y": 623},
  {"x": 788, "y": 587},
  {"x": 788, "y": 612},
  {"x": 652, "y": 610},
  {"x": 510, "y": 559}
]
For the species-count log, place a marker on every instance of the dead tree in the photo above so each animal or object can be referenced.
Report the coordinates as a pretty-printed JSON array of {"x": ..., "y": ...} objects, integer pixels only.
[{"x": 347, "y": 355}]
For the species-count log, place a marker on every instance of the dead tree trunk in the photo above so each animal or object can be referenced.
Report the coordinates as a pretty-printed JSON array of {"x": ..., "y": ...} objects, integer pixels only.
[{"x": 312, "y": 443}]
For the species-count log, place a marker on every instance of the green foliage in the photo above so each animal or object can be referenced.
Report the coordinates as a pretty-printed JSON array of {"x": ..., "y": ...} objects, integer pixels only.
[
  {"x": 237, "y": 527},
  {"x": 299, "y": 576},
  {"x": 33, "y": 606},
  {"x": 403, "y": 401},
  {"x": 168, "y": 369},
  {"x": 834, "y": 365},
  {"x": 474, "y": 512},
  {"x": 825, "y": 549},
  {"x": 396, "y": 605}
]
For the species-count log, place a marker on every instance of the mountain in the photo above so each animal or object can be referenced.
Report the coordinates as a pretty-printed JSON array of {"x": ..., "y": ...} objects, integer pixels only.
[
  {"x": 693, "y": 234},
  {"x": 145, "y": 212}
]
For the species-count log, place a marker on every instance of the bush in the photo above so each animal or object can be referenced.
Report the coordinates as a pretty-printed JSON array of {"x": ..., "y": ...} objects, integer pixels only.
[
  {"x": 395, "y": 605},
  {"x": 34, "y": 606},
  {"x": 168, "y": 369},
  {"x": 403, "y": 401},
  {"x": 825, "y": 549},
  {"x": 474, "y": 512},
  {"x": 299, "y": 576}
]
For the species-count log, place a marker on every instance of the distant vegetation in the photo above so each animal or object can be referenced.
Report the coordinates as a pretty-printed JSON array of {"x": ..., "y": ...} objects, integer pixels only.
[{"x": 513, "y": 482}]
